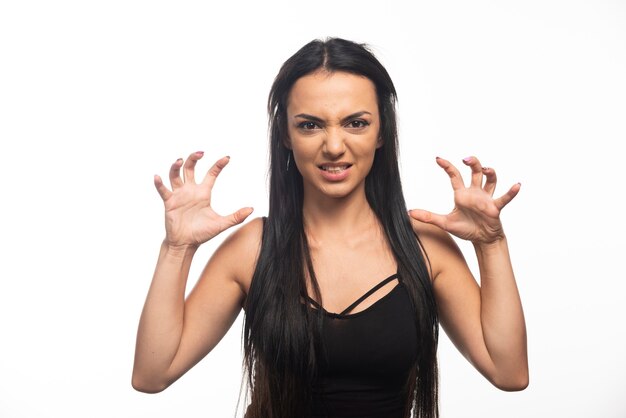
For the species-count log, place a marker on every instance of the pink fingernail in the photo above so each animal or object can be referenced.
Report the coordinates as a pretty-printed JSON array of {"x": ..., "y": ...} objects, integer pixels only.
[
  {"x": 200, "y": 152},
  {"x": 467, "y": 159}
]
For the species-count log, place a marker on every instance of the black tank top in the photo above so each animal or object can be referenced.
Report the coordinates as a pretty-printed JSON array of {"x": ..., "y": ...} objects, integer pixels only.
[{"x": 366, "y": 357}]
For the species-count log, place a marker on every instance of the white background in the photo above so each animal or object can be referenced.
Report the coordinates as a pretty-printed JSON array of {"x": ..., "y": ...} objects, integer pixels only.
[{"x": 97, "y": 97}]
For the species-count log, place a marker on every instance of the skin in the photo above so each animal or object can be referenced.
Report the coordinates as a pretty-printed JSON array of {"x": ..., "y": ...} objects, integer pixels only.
[{"x": 333, "y": 124}]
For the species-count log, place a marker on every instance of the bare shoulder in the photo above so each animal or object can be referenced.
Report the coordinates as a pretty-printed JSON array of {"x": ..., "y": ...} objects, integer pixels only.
[
  {"x": 239, "y": 253},
  {"x": 441, "y": 249}
]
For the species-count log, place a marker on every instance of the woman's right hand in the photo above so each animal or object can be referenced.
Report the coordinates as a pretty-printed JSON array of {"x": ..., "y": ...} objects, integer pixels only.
[{"x": 189, "y": 218}]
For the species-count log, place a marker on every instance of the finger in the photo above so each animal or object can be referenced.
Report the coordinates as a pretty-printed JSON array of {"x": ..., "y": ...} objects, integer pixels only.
[
  {"x": 477, "y": 170},
  {"x": 491, "y": 179},
  {"x": 508, "y": 196},
  {"x": 453, "y": 173},
  {"x": 215, "y": 171},
  {"x": 163, "y": 191},
  {"x": 238, "y": 217},
  {"x": 428, "y": 217},
  {"x": 190, "y": 165},
  {"x": 175, "y": 179}
]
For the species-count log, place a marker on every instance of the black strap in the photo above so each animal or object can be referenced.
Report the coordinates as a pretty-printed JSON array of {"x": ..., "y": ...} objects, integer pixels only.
[
  {"x": 368, "y": 294},
  {"x": 314, "y": 302},
  {"x": 359, "y": 300}
]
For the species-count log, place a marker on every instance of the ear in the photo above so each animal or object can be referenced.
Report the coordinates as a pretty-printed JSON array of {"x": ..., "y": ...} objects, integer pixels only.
[
  {"x": 287, "y": 142},
  {"x": 379, "y": 142}
]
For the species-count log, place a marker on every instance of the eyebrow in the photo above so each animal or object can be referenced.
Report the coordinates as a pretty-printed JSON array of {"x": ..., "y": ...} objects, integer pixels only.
[{"x": 344, "y": 120}]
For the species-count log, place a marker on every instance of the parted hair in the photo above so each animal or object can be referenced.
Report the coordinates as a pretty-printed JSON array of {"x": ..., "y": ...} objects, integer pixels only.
[{"x": 281, "y": 335}]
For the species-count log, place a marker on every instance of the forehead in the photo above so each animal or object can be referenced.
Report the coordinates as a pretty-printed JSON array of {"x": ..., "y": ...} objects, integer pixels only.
[{"x": 323, "y": 92}]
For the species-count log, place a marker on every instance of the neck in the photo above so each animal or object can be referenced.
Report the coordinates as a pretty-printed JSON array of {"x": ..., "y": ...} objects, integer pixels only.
[{"x": 337, "y": 218}]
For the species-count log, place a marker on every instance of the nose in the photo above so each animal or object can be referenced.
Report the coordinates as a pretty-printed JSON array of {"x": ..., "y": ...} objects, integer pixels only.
[{"x": 334, "y": 143}]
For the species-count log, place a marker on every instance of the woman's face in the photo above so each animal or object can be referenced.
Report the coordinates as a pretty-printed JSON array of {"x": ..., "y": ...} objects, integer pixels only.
[{"x": 333, "y": 127}]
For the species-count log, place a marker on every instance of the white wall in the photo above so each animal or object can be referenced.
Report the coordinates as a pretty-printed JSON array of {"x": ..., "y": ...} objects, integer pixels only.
[{"x": 96, "y": 97}]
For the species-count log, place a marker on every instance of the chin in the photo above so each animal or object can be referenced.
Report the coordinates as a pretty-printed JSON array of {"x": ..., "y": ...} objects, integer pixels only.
[{"x": 336, "y": 191}]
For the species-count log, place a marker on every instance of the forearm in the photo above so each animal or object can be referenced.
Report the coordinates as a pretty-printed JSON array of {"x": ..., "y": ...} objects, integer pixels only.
[
  {"x": 502, "y": 317},
  {"x": 161, "y": 322}
]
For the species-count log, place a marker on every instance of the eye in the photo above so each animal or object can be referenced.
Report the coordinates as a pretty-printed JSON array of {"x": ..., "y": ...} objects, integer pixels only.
[
  {"x": 307, "y": 126},
  {"x": 357, "y": 124}
]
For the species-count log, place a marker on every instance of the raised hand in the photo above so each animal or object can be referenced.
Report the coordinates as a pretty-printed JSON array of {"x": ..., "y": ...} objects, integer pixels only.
[
  {"x": 189, "y": 218},
  {"x": 476, "y": 214}
]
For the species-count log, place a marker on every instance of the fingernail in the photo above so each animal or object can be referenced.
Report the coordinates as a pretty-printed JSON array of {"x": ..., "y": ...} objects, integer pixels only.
[
  {"x": 437, "y": 158},
  {"x": 200, "y": 152},
  {"x": 180, "y": 159},
  {"x": 467, "y": 159},
  {"x": 485, "y": 168}
]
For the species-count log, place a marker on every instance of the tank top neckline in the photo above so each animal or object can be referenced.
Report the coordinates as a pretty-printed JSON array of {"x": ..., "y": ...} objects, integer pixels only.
[{"x": 345, "y": 313}]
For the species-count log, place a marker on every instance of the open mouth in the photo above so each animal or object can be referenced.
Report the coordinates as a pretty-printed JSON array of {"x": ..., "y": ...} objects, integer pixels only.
[{"x": 335, "y": 169}]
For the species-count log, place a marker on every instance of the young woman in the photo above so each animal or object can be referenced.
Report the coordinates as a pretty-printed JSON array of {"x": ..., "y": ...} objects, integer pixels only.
[{"x": 343, "y": 289}]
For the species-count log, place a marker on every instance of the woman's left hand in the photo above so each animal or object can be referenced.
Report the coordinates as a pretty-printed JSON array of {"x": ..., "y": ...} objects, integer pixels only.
[{"x": 476, "y": 214}]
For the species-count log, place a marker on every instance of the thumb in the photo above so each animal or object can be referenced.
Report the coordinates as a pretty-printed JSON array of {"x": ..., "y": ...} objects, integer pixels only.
[
  {"x": 428, "y": 217},
  {"x": 238, "y": 217}
]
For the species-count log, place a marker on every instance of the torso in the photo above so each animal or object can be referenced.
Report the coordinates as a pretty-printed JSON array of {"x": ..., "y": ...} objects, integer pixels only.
[
  {"x": 378, "y": 333},
  {"x": 367, "y": 357},
  {"x": 344, "y": 271}
]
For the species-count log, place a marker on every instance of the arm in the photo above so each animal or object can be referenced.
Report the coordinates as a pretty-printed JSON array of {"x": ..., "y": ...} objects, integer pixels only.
[
  {"x": 502, "y": 316},
  {"x": 175, "y": 334},
  {"x": 486, "y": 322}
]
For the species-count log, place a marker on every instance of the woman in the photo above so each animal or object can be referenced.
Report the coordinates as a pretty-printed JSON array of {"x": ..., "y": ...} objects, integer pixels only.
[{"x": 325, "y": 333}]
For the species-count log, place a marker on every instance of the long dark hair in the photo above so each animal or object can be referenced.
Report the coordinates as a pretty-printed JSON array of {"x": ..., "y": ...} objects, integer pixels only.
[{"x": 280, "y": 333}]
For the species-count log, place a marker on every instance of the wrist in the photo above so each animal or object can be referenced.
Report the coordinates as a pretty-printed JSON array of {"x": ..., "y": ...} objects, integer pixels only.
[
  {"x": 497, "y": 244},
  {"x": 180, "y": 250}
]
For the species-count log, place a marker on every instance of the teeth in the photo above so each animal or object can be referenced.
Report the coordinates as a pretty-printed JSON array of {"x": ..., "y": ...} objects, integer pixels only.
[{"x": 334, "y": 170}]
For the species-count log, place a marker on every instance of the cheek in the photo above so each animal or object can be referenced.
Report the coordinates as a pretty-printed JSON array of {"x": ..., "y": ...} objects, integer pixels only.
[
  {"x": 300, "y": 157},
  {"x": 369, "y": 148},
  {"x": 302, "y": 152}
]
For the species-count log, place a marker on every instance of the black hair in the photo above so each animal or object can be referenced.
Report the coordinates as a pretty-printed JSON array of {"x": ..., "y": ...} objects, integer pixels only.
[{"x": 281, "y": 335}]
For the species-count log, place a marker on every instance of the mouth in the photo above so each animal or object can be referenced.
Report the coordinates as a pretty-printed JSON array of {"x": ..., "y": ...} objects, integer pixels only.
[{"x": 335, "y": 168}]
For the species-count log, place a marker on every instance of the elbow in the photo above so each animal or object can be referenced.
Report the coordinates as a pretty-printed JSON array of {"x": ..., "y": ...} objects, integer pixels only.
[
  {"x": 139, "y": 387},
  {"x": 513, "y": 386},
  {"x": 515, "y": 383},
  {"x": 146, "y": 385}
]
